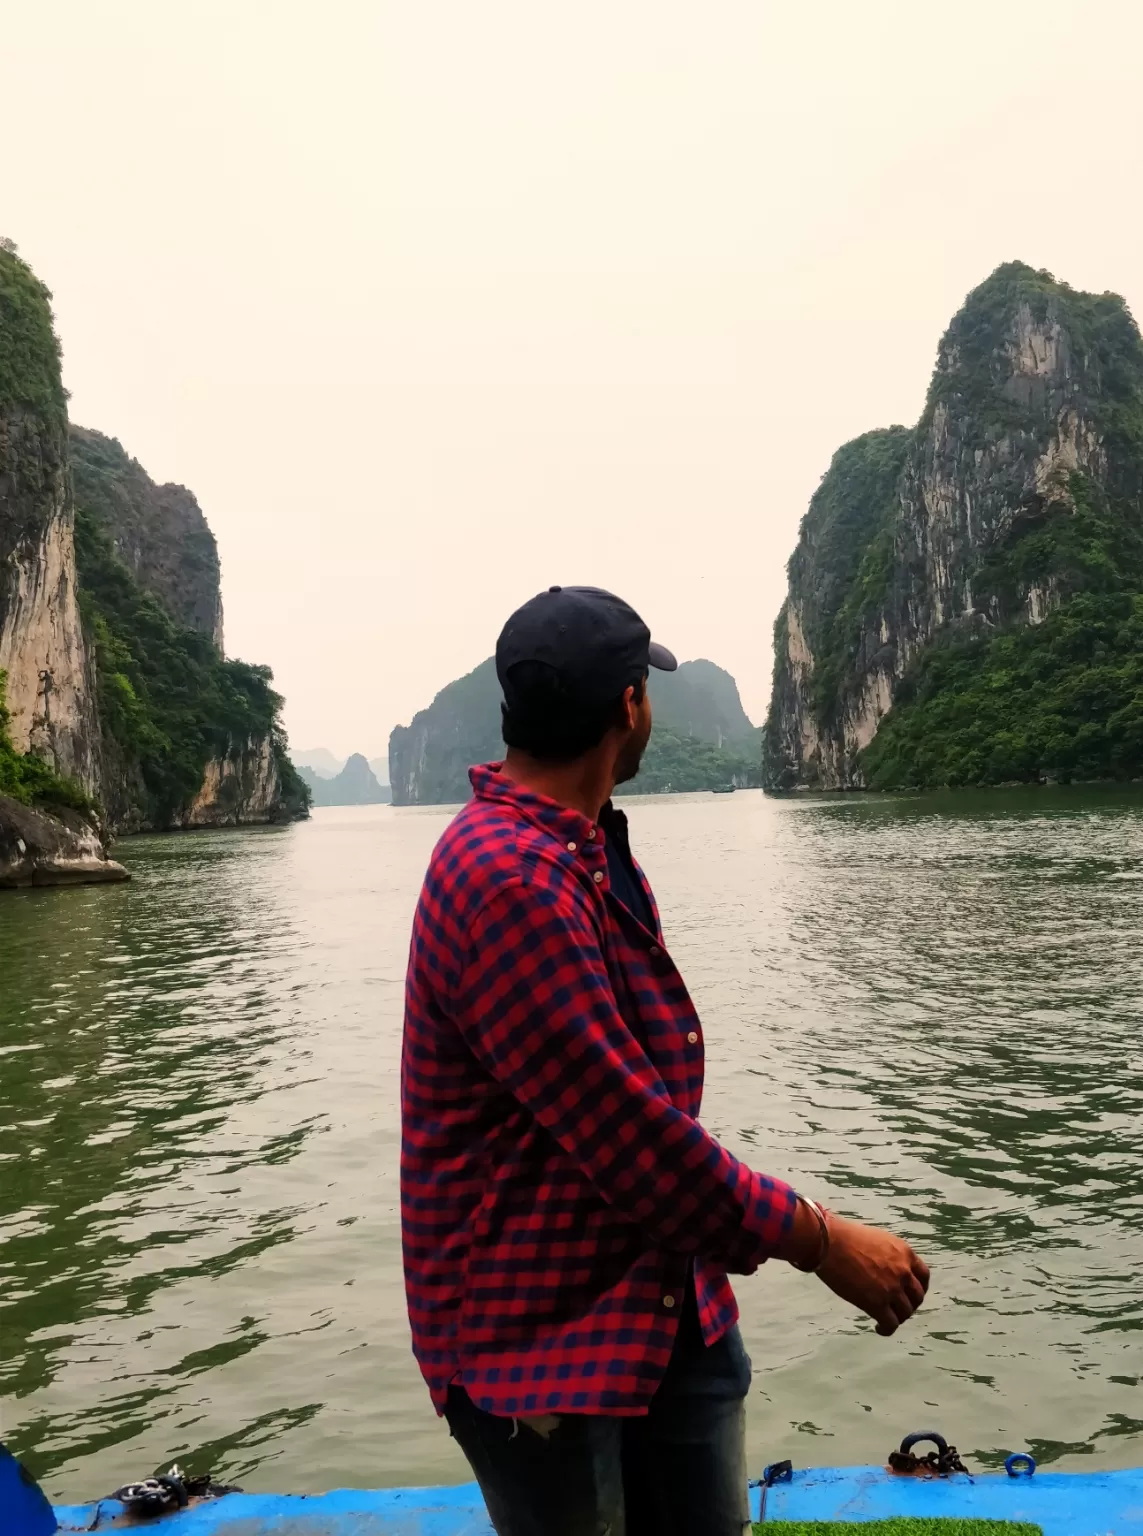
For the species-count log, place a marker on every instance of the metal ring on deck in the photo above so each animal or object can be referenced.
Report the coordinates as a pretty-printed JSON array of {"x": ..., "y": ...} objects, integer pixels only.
[
  {"x": 910, "y": 1441},
  {"x": 1020, "y": 1464}
]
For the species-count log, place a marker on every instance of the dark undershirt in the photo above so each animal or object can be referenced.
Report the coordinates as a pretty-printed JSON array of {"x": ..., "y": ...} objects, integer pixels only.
[{"x": 625, "y": 883}]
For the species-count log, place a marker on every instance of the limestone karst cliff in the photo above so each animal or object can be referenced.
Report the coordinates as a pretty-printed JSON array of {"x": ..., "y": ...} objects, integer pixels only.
[
  {"x": 964, "y": 602},
  {"x": 42, "y": 647},
  {"x": 113, "y": 684},
  {"x": 702, "y": 738},
  {"x": 187, "y": 737},
  {"x": 430, "y": 757}
]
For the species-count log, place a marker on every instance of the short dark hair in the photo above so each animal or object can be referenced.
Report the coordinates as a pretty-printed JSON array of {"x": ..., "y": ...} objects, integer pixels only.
[{"x": 545, "y": 721}]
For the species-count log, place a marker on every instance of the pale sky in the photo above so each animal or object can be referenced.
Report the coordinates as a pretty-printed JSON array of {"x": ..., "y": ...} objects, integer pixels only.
[{"x": 434, "y": 304}]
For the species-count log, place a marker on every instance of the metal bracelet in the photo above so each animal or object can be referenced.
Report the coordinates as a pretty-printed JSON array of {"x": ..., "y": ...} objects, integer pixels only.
[{"x": 823, "y": 1228}]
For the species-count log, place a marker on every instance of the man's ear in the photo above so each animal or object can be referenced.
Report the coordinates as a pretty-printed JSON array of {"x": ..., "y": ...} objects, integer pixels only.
[{"x": 630, "y": 708}]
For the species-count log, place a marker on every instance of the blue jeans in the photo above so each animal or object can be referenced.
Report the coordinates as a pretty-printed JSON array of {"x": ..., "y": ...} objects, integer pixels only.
[{"x": 680, "y": 1471}]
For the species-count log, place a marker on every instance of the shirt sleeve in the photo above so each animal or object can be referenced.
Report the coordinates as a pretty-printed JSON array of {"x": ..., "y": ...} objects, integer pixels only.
[{"x": 535, "y": 1006}]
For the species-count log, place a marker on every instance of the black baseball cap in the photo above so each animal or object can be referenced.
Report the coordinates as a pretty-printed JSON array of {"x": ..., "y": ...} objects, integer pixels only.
[{"x": 594, "y": 642}]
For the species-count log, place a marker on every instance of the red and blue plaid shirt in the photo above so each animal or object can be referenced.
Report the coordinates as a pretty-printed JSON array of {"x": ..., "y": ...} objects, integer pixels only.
[{"x": 555, "y": 1182}]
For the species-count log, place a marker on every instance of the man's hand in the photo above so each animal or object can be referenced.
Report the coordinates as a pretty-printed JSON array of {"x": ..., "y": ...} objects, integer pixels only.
[
  {"x": 875, "y": 1271},
  {"x": 871, "y": 1269}
]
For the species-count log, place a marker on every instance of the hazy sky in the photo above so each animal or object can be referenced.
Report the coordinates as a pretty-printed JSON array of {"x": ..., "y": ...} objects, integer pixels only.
[{"x": 433, "y": 304}]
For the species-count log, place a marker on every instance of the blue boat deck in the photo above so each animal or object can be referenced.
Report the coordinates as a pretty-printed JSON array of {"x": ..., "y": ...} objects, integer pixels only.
[{"x": 1062, "y": 1503}]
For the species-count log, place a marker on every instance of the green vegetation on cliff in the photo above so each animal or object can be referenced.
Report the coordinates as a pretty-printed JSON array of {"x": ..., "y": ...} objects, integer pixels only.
[
  {"x": 1102, "y": 360},
  {"x": 33, "y": 412},
  {"x": 29, "y": 779},
  {"x": 1062, "y": 700},
  {"x": 30, "y": 355},
  {"x": 684, "y": 764}
]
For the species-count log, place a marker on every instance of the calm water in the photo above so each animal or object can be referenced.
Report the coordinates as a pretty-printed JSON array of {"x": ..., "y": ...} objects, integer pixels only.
[{"x": 926, "y": 1011}]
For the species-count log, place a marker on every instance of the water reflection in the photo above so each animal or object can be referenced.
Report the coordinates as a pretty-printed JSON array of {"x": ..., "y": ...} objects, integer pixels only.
[{"x": 152, "y": 1037}]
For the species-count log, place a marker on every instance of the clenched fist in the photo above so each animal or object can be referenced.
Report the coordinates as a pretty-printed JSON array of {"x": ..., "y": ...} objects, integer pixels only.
[
  {"x": 871, "y": 1269},
  {"x": 875, "y": 1271}
]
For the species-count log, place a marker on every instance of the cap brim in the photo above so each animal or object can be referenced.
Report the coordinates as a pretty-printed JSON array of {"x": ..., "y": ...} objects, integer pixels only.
[{"x": 659, "y": 656}]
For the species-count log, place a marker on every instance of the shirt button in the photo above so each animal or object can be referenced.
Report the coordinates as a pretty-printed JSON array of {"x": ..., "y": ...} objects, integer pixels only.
[
  {"x": 598, "y": 877},
  {"x": 692, "y": 1038},
  {"x": 668, "y": 1301},
  {"x": 655, "y": 950},
  {"x": 591, "y": 831},
  {"x": 572, "y": 847}
]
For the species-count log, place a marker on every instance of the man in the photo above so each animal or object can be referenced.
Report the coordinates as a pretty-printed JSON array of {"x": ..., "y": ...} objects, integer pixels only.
[{"x": 568, "y": 1225}]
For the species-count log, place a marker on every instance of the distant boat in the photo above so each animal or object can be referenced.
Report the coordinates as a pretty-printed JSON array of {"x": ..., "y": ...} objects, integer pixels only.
[{"x": 724, "y": 789}]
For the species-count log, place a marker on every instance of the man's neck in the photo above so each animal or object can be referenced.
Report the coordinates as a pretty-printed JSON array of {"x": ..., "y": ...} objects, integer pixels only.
[{"x": 584, "y": 786}]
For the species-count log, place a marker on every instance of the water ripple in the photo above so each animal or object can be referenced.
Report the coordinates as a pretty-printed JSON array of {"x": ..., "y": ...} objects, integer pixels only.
[{"x": 927, "y": 1011}]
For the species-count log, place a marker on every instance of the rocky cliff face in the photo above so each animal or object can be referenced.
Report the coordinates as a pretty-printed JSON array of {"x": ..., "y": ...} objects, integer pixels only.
[
  {"x": 1019, "y": 489},
  {"x": 111, "y": 618},
  {"x": 817, "y": 724},
  {"x": 429, "y": 759},
  {"x": 42, "y": 648},
  {"x": 158, "y": 531},
  {"x": 244, "y": 787}
]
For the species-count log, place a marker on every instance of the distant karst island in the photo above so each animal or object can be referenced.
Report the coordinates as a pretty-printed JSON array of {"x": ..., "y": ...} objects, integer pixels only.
[
  {"x": 702, "y": 738},
  {"x": 332, "y": 781},
  {"x": 966, "y": 598},
  {"x": 119, "y": 710}
]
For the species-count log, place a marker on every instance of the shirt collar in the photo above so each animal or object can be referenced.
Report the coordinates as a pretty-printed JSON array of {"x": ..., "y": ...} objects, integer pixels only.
[{"x": 488, "y": 783}]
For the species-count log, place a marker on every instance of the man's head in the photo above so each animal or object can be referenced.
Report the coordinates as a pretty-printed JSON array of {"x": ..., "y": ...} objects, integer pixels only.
[{"x": 573, "y": 665}]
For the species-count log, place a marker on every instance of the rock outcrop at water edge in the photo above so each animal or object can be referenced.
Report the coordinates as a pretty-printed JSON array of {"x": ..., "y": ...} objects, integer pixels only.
[{"x": 58, "y": 849}]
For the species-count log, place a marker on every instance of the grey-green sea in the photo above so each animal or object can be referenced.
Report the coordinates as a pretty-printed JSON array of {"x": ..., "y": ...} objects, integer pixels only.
[{"x": 925, "y": 1011}]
